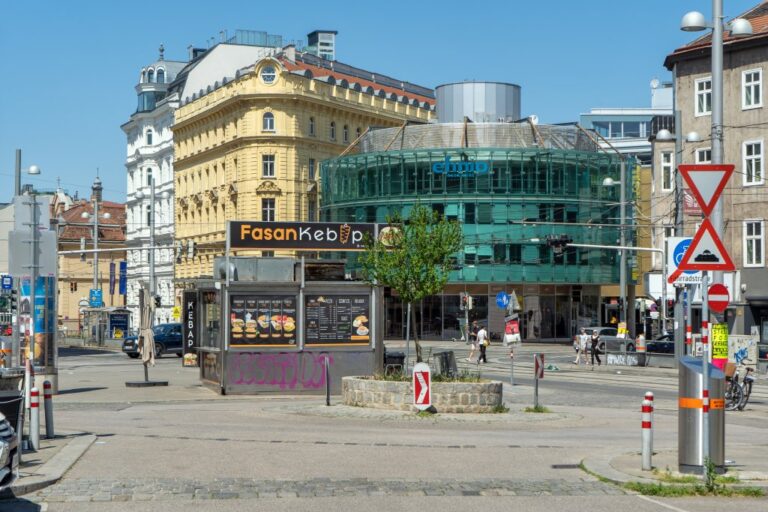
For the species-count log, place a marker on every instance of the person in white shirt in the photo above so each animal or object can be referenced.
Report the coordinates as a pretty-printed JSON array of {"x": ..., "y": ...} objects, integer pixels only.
[
  {"x": 482, "y": 343},
  {"x": 581, "y": 346}
]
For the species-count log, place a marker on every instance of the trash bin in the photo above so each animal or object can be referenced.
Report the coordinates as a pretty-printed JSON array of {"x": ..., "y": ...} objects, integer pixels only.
[
  {"x": 393, "y": 362},
  {"x": 446, "y": 363},
  {"x": 690, "y": 424}
]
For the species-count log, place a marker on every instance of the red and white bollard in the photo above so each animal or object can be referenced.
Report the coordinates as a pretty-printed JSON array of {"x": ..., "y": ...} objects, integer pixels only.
[
  {"x": 34, "y": 419},
  {"x": 29, "y": 378},
  {"x": 647, "y": 434},
  {"x": 48, "y": 406},
  {"x": 649, "y": 397}
]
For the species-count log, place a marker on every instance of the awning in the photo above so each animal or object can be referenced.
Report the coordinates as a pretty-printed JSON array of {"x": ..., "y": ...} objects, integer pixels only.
[{"x": 485, "y": 250}]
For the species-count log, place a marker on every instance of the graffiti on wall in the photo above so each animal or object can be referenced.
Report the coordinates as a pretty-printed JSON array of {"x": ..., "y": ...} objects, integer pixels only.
[{"x": 282, "y": 370}]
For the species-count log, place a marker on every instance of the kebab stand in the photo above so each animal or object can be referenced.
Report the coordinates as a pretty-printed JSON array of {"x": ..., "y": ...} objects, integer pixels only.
[{"x": 284, "y": 324}]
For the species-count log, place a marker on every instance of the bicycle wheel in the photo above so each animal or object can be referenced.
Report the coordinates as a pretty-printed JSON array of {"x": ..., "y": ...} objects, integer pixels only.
[
  {"x": 733, "y": 396},
  {"x": 747, "y": 387}
]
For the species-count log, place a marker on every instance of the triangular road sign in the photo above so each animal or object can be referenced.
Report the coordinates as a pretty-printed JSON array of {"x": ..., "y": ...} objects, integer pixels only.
[
  {"x": 706, "y": 251},
  {"x": 707, "y": 182}
]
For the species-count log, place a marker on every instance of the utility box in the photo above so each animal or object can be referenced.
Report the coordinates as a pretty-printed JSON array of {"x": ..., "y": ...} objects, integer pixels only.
[{"x": 690, "y": 431}]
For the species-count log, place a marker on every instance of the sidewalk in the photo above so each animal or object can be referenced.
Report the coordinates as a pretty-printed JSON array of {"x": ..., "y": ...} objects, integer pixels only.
[
  {"x": 742, "y": 461},
  {"x": 48, "y": 464}
]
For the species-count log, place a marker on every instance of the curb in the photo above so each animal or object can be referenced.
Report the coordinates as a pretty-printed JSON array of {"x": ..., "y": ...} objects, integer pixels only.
[
  {"x": 603, "y": 469},
  {"x": 52, "y": 471}
]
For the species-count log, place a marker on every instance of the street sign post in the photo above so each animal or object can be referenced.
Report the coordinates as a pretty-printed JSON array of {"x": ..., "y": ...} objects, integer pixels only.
[
  {"x": 719, "y": 298},
  {"x": 95, "y": 298},
  {"x": 538, "y": 373},
  {"x": 422, "y": 386}
]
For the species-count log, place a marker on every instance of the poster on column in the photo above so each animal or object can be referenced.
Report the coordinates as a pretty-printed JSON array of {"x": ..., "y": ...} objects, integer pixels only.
[
  {"x": 719, "y": 345},
  {"x": 511, "y": 330}
]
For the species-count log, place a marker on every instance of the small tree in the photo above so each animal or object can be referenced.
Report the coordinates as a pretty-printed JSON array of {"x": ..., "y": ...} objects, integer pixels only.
[{"x": 413, "y": 257}]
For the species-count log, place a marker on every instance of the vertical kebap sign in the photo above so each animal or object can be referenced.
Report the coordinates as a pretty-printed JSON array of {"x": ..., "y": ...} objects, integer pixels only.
[
  {"x": 299, "y": 236},
  {"x": 189, "y": 329}
]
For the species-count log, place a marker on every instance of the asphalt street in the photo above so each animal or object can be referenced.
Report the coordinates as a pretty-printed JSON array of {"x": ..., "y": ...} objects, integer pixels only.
[{"x": 185, "y": 448}]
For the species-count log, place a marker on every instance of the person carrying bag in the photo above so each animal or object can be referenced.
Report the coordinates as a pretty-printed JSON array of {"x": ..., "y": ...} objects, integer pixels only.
[{"x": 595, "y": 348}]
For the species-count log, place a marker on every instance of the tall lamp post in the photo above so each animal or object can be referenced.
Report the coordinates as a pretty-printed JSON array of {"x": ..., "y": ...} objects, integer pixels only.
[
  {"x": 694, "y": 22},
  {"x": 96, "y": 285},
  {"x": 610, "y": 182},
  {"x": 33, "y": 170},
  {"x": 152, "y": 212}
]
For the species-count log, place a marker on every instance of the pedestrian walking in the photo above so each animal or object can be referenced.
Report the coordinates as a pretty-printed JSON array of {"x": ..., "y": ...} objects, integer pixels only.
[
  {"x": 482, "y": 343},
  {"x": 472, "y": 339},
  {"x": 595, "y": 348},
  {"x": 581, "y": 346}
]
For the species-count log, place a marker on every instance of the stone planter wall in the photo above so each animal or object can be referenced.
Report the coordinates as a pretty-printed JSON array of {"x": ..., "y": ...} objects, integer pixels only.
[{"x": 454, "y": 397}]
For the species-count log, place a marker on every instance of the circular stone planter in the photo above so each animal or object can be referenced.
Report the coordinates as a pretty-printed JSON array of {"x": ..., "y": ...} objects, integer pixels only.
[{"x": 447, "y": 397}]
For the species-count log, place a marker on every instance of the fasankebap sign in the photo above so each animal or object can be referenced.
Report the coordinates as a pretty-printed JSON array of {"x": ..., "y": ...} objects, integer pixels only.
[{"x": 306, "y": 236}]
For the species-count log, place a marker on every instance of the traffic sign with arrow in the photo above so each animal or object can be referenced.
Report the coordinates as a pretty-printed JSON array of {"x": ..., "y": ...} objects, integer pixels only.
[{"x": 422, "y": 392}]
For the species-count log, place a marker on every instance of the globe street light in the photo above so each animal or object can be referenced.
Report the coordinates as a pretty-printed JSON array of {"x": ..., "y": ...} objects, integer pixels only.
[
  {"x": 610, "y": 182},
  {"x": 694, "y": 22}
]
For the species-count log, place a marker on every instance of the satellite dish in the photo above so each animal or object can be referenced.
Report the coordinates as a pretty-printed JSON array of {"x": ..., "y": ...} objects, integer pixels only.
[{"x": 655, "y": 83}]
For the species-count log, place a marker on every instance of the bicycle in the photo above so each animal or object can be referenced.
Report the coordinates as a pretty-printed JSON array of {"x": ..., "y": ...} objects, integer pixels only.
[
  {"x": 746, "y": 386},
  {"x": 734, "y": 392}
]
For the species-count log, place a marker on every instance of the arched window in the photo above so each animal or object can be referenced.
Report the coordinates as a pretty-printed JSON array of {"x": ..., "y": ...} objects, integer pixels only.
[
  {"x": 149, "y": 137},
  {"x": 161, "y": 76},
  {"x": 312, "y": 126},
  {"x": 346, "y": 133},
  {"x": 333, "y": 130},
  {"x": 151, "y": 75},
  {"x": 268, "y": 122}
]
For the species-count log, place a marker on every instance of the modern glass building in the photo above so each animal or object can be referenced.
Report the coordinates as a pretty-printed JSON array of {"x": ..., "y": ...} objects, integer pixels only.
[{"x": 512, "y": 187}]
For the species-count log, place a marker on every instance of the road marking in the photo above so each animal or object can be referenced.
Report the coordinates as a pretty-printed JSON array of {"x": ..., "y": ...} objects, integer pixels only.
[{"x": 661, "y": 504}]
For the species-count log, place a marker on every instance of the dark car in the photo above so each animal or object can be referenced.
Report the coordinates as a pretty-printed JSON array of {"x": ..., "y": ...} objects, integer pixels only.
[
  {"x": 167, "y": 341},
  {"x": 9, "y": 454}
]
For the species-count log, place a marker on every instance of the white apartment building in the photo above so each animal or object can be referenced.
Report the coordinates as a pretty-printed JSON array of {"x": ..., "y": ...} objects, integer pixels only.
[{"x": 149, "y": 159}]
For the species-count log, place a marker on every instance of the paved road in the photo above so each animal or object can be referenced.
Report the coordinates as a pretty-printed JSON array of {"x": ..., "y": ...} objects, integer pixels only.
[{"x": 185, "y": 448}]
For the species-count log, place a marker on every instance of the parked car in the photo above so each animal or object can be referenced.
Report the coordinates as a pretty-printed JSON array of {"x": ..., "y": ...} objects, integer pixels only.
[
  {"x": 608, "y": 339},
  {"x": 167, "y": 341},
  {"x": 664, "y": 344},
  {"x": 9, "y": 454}
]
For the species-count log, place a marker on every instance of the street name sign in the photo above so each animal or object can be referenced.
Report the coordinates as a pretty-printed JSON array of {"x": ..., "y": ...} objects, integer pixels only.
[
  {"x": 719, "y": 298},
  {"x": 422, "y": 386},
  {"x": 675, "y": 250}
]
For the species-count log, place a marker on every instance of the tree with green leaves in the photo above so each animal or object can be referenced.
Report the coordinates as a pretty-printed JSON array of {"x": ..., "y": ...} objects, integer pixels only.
[{"x": 413, "y": 256}]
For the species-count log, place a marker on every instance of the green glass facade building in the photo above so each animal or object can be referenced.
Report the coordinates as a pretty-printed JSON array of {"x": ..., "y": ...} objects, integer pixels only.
[{"x": 512, "y": 187}]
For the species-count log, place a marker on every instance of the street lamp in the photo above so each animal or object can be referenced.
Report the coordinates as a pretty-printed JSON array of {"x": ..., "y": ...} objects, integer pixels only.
[
  {"x": 141, "y": 196},
  {"x": 95, "y": 217},
  {"x": 694, "y": 21},
  {"x": 610, "y": 182},
  {"x": 33, "y": 170}
]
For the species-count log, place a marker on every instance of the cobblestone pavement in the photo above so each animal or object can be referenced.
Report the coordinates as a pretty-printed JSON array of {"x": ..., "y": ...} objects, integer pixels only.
[{"x": 79, "y": 490}]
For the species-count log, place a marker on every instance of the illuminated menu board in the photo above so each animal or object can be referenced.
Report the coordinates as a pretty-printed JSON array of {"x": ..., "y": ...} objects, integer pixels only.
[
  {"x": 262, "y": 320},
  {"x": 333, "y": 319}
]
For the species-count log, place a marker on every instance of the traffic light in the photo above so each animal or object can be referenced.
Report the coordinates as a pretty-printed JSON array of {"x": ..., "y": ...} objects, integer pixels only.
[
  {"x": 462, "y": 301},
  {"x": 13, "y": 301},
  {"x": 670, "y": 308},
  {"x": 157, "y": 301}
]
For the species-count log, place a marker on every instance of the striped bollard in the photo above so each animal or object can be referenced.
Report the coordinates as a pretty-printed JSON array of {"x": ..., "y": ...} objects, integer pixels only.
[
  {"x": 647, "y": 439},
  {"x": 48, "y": 407},
  {"x": 649, "y": 397},
  {"x": 34, "y": 419}
]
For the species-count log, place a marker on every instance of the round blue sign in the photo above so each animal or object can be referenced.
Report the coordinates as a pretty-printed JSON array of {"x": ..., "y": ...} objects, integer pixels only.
[
  {"x": 502, "y": 300},
  {"x": 679, "y": 252}
]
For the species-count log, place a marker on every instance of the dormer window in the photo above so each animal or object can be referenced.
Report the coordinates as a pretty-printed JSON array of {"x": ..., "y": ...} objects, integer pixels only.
[
  {"x": 268, "y": 74},
  {"x": 149, "y": 137},
  {"x": 151, "y": 76},
  {"x": 161, "y": 76}
]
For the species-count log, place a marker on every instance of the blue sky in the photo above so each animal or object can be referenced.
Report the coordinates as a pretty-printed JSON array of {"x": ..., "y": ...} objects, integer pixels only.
[{"x": 70, "y": 66}]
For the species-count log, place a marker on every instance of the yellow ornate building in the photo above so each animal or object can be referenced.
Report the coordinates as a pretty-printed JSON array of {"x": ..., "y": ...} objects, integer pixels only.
[{"x": 249, "y": 146}]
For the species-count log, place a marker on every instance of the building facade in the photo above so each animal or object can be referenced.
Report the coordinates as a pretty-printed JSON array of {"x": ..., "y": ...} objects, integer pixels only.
[
  {"x": 512, "y": 187},
  {"x": 149, "y": 162},
  {"x": 75, "y": 229},
  {"x": 745, "y": 117},
  {"x": 252, "y": 128}
]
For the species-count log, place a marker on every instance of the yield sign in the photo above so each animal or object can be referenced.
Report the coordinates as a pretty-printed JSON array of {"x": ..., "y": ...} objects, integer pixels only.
[
  {"x": 706, "y": 252},
  {"x": 422, "y": 392},
  {"x": 707, "y": 182},
  {"x": 718, "y": 297}
]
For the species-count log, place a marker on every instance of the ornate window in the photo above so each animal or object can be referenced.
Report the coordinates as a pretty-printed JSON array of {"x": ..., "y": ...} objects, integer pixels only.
[{"x": 268, "y": 122}]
